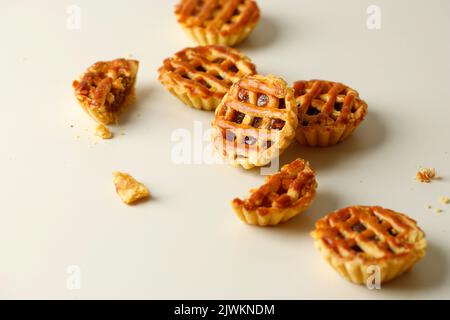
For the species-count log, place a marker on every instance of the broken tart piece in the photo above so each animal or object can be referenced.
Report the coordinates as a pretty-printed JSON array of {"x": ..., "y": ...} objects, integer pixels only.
[
  {"x": 128, "y": 189},
  {"x": 106, "y": 88},
  {"x": 357, "y": 241},
  {"x": 285, "y": 195}
]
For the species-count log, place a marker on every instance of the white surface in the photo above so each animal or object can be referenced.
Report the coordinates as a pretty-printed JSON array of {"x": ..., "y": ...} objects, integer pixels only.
[{"x": 59, "y": 206}]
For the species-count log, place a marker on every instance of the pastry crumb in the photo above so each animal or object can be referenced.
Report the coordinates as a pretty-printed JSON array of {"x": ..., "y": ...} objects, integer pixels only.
[
  {"x": 128, "y": 189},
  {"x": 429, "y": 206},
  {"x": 437, "y": 210},
  {"x": 425, "y": 175},
  {"x": 445, "y": 200},
  {"x": 103, "y": 132}
]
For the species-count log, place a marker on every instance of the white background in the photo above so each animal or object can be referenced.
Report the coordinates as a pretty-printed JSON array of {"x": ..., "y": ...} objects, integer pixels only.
[{"x": 58, "y": 204}]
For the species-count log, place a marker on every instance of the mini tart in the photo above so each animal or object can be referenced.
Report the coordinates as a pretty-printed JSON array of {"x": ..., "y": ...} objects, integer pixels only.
[
  {"x": 284, "y": 195},
  {"x": 328, "y": 112},
  {"x": 201, "y": 76},
  {"x": 224, "y": 22},
  {"x": 106, "y": 88},
  {"x": 255, "y": 122},
  {"x": 354, "y": 239}
]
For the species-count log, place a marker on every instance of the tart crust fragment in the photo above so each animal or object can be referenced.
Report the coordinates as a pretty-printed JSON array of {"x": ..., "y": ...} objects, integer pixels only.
[
  {"x": 106, "y": 89},
  {"x": 128, "y": 189},
  {"x": 284, "y": 195}
]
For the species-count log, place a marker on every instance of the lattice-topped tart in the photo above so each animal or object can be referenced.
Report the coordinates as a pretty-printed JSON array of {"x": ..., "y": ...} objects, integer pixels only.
[
  {"x": 328, "y": 112},
  {"x": 224, "y": 22},
  {"x": 355, "y": 239},
  {"x": 201, "y": 76},
  {"x": 255, "y": 121},
  {"x": 283, "y": 196},
  {"x": 106, "y": 88}
]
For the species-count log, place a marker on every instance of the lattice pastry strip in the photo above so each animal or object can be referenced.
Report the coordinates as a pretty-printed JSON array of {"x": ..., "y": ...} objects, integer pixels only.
[
  {"x": 283, "y": 196},
  {"x": 364, "y": 236},
  {"x": 201, "y": 76}
]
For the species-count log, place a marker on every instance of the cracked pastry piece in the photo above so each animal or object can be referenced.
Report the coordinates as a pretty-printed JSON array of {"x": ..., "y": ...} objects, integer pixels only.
[
  {"x": 255, "y": 122},
  {"x": 426, "y": 175},
  {"x": 103, "y": 132},
  {"x": 355, "y": 239},
  {"x": 128, "y": 189},
  {"x": 106, "y": 88},
  {"x": 328, "y": 112},
  {"x": 224, "y": 22},
  {"x": 201, "y": 76},
  {"x": 283, "y": 196}
]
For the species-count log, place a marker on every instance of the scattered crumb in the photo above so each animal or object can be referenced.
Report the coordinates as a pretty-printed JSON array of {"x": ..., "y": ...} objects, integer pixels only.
[
  {"x": 445, "y": 200},
  {"x": 437, "y": 210},
  {"x": 129, "y": 190},
  {"x": 425, "y": 175},
  {"x": 103, "y": 132},
  {"x": 429, "y": 206},
  {"x": 78, "y": 137},
  {"x": 71, "y": 126}
]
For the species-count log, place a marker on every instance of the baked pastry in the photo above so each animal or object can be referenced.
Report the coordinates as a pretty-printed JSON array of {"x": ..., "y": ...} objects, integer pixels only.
[
  {"x": 128, "y": 189},
  {"x": 106, "y": 88},
  {"x": 255, "y": 121},
  {"x": 356, "y": 238},
  {"x": 328, "y": 112},
  {"x": 103, "y": 132},
  {"x": 283, "y": 196},
  {"x": 224, "y": 22},
  {"x": 201, "y": 76}
]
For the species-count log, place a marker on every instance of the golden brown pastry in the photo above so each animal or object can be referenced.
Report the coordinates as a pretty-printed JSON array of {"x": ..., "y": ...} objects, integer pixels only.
[
  {"x": 328, "y": 112},
  {"x": 201, "y": 76},
  {"x": 255, "y": 122},
  {"x": 284, "y": 195},
  {"x": 354, "y": 239},
  {"x": 224, "y": 22},
  {"x": 106, "y": 88}
]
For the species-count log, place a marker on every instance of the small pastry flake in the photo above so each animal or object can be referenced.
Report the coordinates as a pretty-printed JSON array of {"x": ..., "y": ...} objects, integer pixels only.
[
  {"x": 224, "y": 22},
  {"x": 103, "y": 132},
  {"x": 328, "y": 112},
  {"x": 285, "y": 195},
  {"x": 201, "y": 76},
  {"x": 444, "y": 200},
  {"x": 129, "y": 190},
  {"x": 425, "y": 175},
  {"x": 255, "y": 122},
  {"x": 354, "y": 239},
  {"x": 106, "y": 88}
]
